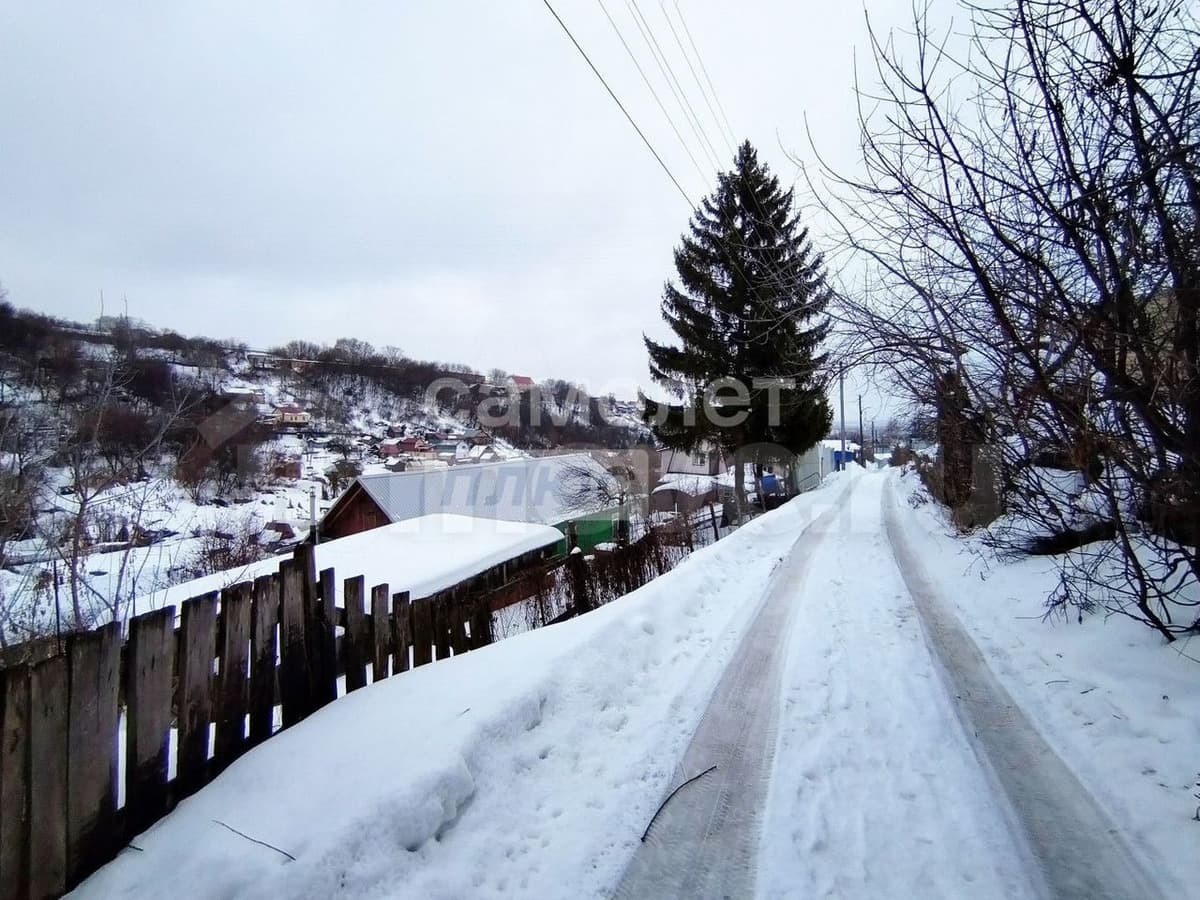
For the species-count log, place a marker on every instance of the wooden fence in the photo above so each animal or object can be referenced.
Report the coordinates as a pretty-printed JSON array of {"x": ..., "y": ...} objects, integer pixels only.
[
  {"x": 234, "y": 658},
  {"x": 240, "y": 665}
]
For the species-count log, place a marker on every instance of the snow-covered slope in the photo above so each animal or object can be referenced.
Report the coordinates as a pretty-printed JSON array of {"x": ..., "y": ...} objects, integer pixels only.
[{"x": 530, "y": 767}]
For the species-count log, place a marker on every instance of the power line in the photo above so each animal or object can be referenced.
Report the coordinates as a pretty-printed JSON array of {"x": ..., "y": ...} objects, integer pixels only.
[
  {"x": 668, "y": 73},
  {"x": 749, "y": 283},
  {"x": 617, "y": 101},
  {"x": 662, "y": 5},
  {"x": 653, "y": 92},
  {"x": 703, "y": 68}
]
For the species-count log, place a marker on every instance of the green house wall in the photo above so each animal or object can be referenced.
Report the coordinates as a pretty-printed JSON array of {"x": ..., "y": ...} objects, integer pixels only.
[{"x": 591, "y": 530}]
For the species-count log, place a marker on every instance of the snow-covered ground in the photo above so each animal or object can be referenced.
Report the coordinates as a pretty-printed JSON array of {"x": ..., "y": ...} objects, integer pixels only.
[
  {"x": 876, "y": 791},
  {"x": 1120, "y": 706},
  {"x": 531, "y": 767}
]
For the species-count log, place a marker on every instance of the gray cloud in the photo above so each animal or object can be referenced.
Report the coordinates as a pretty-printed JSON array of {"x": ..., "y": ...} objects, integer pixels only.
[{"x": 447, "y": 177}]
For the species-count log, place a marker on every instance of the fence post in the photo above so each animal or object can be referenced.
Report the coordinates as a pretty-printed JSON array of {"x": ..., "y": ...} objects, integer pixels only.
[
  {"x": 712, "y": 511},
  {"x": 14, "y": 783},
  {"x": 577, "y": 571}
]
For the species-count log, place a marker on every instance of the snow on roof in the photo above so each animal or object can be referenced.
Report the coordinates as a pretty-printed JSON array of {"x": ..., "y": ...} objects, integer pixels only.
[
  {"x": 693, "y": 485},
  {"x": 523, "y": 380},
  {"x": 518, "y": 490},
  {"x": 836, "y": 444},
  {"x": 421, "y": 555}
]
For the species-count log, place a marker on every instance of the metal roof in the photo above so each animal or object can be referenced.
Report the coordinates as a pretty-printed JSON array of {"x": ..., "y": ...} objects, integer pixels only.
[{"x": 519, "y": 490}]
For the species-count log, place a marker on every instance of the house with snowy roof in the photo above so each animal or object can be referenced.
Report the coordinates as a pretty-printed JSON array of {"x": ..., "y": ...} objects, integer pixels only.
[{"x": 568, "y": 492}]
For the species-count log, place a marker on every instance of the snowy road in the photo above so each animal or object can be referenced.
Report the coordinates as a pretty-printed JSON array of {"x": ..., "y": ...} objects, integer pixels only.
[
  {"x": 902, "y": 767},
  {"x": 705, "y": 841}
]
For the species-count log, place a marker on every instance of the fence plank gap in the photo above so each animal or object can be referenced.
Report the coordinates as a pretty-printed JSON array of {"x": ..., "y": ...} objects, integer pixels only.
[
  {"x": 233, "y": 692},
  {"x": 458, "y": 626},
  {"x": 94, "y": 668},
  {"x": 197, "y": 649},
  {"x": 356, "y": 640},
  {"x": 264, "y": 650}
]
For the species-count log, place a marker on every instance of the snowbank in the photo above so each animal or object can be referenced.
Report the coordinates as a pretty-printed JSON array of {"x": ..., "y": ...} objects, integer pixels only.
[
  {"x": 1120, "y": 706},
  {"x": 421, "y": 556}
]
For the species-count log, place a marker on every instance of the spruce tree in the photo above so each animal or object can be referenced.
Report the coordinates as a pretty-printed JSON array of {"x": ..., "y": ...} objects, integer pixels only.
[{"x": 749, "y": 305}]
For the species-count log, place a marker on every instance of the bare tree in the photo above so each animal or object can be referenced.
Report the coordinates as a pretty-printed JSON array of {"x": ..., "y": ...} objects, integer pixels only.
[{"x": 1035, "y": 245}]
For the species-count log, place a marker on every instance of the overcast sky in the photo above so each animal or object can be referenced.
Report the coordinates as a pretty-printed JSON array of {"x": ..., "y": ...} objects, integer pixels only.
[{"x": 447, "y": 177}]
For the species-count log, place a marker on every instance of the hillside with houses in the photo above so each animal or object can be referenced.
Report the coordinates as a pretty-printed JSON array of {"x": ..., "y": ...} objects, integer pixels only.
[{"x": 134, "y": 460}]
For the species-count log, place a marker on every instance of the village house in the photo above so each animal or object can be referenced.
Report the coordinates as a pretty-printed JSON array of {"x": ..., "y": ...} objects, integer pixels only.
[
  {"x": 689, "y": 479},
  {"x": 451, "y": 451},
  {"x": 241, "y": 393},
  {"x": 536, "y": 490},
  {"x": 519, "y": 383},
  {"x": 293, "y": 416},
  {"x": 481, "y": 453}
]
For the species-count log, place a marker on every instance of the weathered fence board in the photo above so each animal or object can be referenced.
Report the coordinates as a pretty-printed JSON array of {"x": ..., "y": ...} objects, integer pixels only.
[
  {"x": 441, "y": 625},
  {"x": 14, "y": 783},
  {"x": 48, "y": 706},
  {"x": 94, "y": 671},
  {"x": 197, "y": 649},
  {"x": 401, "y": 631},
  {"x": 264, "y": 648},
  {"x": 295, "y": 686},
  {"x": 380, "y": 632},
  {"x": 481, "y": 624},
  {"x": 150, "y": 667},
  {"x": 458, "y": 630},
  {"x": 422, "y": 632},
  {"x": 356, "y": 639},
  {"x": 327, "y": 637},
  {"x": 233, "y": 692}
]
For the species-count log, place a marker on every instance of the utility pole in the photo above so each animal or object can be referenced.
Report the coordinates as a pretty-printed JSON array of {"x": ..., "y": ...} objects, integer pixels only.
[
  {"x": 862, "y": 444},
  {"x": 842, "y": 403}
]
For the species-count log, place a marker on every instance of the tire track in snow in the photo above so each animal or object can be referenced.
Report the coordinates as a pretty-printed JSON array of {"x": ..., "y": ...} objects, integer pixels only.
[
  {"x": 1077, "y": 848},
  {"x": 876, "y": 792},
  {"x": 705, "y": 841}
]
